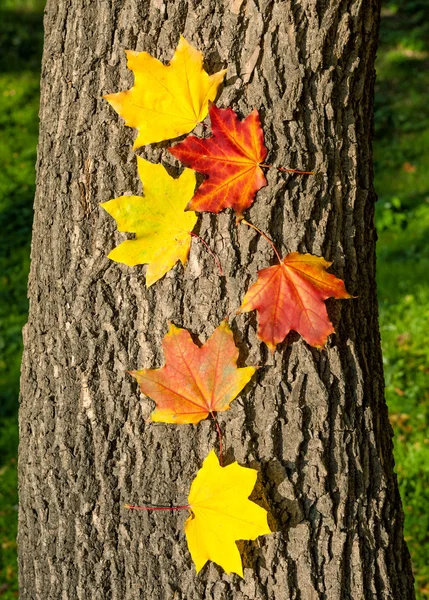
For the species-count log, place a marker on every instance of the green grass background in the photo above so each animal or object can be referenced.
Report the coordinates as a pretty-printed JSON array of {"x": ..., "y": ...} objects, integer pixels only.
[
  {"x": 402, "y": 181},
  {"x": 401, "y": 151},
  {"x": 21, "y": 39}
]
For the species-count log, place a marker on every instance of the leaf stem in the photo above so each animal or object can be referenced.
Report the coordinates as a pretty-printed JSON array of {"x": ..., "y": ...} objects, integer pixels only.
[
  {"x": 264, "y": 236},
  {"x": 219, "y": 432},
  {"x": 215, "y": 258},
  {"x": 130, "y": 506},
  {"x": 287, "y": 170}
]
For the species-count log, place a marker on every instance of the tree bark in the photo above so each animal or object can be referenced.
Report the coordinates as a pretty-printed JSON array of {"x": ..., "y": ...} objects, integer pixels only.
[{"x": 314, "y": 423}]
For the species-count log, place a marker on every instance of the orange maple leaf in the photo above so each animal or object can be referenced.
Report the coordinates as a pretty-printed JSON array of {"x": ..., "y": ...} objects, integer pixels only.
[
  {"x": 290, "y": 296},
  {"x": 195, "y": 381},
  {"x": 231, "y": 159}
]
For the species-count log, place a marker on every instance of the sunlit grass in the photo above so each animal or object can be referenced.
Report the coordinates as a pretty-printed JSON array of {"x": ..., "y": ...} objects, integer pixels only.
[
  {"x": 404, "y": 329},
  {"x": 401, "y": 152}
]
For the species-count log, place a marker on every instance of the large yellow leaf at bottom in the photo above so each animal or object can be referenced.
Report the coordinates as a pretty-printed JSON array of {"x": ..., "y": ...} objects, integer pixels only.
[
  {"x": 162, "y": 227},
  {"x": 166, "y": 101},
  {"x": 222, "y": 513}
]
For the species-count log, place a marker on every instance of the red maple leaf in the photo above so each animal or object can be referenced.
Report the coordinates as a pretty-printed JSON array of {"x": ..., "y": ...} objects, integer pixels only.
[
  {"x": 231, "y": 159},
  {"x": 290, "y": 296}
]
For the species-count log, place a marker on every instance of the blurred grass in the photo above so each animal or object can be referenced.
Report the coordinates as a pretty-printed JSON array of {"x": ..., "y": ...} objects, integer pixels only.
[
  {"x": 401, "y": 153},
  {"x": 21, "y": 40}
]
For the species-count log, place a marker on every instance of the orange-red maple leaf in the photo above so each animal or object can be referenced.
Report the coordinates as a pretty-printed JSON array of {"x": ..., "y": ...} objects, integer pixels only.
[
  {"x": 231, "y": 160},
  {"x": 194, "y": 381},
  {"x": 290, "y": 296}
]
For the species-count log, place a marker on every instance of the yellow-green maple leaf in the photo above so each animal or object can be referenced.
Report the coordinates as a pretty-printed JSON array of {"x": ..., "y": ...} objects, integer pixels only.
[
  {"x": 222, "y": 513},
  {"x": 158, "y": 219},
  {"x": 166, "y": 101}
]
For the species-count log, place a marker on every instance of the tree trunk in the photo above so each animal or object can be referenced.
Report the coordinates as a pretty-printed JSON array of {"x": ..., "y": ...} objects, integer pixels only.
[{"x": 315, "y": 422}]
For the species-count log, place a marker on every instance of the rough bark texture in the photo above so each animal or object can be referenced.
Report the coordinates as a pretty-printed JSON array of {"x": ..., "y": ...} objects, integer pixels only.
[{"x": 314, "y": 423}]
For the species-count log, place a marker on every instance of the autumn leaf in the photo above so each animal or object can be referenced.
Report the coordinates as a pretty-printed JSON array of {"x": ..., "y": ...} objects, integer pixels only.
[
  {"x": 231, "y": 160},
  {"x": 194, "y": 381},
  {"x": 290, "y": 296},
  {"x": 161, "y": 225},
  {"x": 166, "y": 101},
  {"x": 222, "y": 514}
]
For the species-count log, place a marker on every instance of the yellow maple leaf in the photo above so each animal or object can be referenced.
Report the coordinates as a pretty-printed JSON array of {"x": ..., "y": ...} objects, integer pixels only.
[
  {"x": 166, "y": 101},
  {"x": 222, "y": 513},
  {"x": 158, "y": 219}
]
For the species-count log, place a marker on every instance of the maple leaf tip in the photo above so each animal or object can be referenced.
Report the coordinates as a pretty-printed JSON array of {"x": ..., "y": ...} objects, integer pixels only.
[
  {"x": 132, "y": 53},
  {"x": 172, "y": 328},
  {"x": 271, "y": 347},
  {"x": 136, "y": 144},
  {"x": 111, "y": 254}
]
